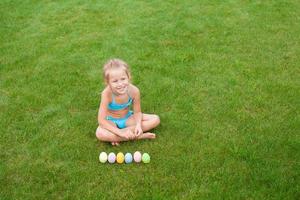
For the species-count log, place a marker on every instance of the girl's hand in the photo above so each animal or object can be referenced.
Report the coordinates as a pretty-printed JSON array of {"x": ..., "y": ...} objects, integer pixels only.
[
  {"x": 138, "y": 130},
  {"x": 128, "y": 134}
]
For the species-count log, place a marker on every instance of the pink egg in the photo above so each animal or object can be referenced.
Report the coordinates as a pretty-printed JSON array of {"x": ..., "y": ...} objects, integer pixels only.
[{"x": 137, "y": 156}]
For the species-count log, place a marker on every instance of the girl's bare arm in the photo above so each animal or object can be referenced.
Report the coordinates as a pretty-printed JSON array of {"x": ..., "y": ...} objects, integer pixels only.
[
  {"x": 102, "y": 113},
  {"x": 137, "y": 106}
]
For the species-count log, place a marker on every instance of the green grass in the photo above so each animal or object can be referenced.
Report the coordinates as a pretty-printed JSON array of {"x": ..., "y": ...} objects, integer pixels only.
[{"x": 222, "y": 75}]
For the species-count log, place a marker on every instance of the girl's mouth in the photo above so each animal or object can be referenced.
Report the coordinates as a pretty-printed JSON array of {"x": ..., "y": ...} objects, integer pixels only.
[{"x": 121, "y": 89}]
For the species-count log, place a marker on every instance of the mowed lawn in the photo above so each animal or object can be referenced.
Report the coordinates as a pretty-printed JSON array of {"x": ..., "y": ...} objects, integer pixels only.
[{"x": 223, "y": 76}]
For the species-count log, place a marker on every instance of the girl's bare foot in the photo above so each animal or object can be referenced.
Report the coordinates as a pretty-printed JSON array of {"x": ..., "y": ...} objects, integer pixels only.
[{"x": 147, "y": 136}]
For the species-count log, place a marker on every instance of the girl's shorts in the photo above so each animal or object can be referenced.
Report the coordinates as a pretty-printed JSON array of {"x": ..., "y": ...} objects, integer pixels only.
[{"x": 120, "y": 122}]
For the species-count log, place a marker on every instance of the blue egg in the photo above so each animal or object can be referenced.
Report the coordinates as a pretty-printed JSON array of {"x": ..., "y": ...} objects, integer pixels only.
[{"x": 128, "y": 158}]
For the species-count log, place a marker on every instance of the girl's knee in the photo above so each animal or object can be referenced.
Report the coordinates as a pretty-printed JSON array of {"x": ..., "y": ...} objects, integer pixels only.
[
  {"x": 156, "y": 120},
  {"x": 100, "y": 133}
]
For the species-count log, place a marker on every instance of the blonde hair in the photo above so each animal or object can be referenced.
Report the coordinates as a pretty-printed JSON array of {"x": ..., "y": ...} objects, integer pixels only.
[{"x": 115, "y": 63}]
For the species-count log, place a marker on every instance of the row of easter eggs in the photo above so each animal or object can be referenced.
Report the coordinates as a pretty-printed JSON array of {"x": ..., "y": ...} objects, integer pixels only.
[{"x": 121, "y": 158}]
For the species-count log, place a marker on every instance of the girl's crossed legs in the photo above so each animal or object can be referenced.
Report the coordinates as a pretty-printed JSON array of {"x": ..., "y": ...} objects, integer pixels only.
[{"x": 149, "y": 121}]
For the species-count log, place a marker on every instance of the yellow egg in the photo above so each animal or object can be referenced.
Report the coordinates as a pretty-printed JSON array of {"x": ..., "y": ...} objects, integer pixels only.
[{"x": 120, "y": 157}]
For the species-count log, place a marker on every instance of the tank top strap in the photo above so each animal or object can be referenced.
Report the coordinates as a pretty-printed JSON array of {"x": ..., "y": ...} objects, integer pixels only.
[
  {"x": 113, "y": 98},
  {"x": 128, "y": 94}
]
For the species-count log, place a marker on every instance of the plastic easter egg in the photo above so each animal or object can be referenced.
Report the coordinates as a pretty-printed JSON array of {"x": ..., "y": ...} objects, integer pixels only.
[
  {"x": 111, "y": 157},
  {"x": 128, "y": 158},
  {"x": 137, "y": 156},
  {"x": 103, "y": 157},
  {"x": 120, "y": 158},
  {"x": 145, "y": 158}
]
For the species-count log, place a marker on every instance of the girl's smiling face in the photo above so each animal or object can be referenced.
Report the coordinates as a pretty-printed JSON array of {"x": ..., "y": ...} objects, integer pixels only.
[{"x": 118, "y": 81}]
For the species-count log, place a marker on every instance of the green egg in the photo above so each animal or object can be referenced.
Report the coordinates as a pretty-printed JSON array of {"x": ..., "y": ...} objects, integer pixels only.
[{"x": 146, "y": 158}]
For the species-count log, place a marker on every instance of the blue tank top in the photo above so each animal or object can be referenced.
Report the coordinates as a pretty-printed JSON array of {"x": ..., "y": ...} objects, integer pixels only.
[{"x": 115, "y": 106}]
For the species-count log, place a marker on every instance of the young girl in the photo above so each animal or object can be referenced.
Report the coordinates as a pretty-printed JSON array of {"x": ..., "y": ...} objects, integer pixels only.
[{"x": 117, "y": 122}]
